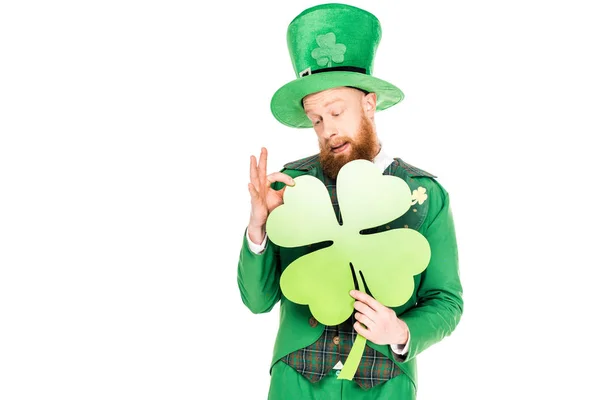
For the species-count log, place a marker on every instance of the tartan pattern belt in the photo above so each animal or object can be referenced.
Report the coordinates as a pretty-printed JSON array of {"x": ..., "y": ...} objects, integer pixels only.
[{"x": 317, "y": 360}]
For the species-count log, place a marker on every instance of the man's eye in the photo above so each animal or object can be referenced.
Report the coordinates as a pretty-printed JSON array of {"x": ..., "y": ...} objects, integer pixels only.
[{"x": 316, "y": 122}]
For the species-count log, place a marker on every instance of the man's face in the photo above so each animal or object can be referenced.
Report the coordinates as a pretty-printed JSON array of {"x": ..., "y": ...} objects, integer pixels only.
[{"x": 343, "y": 120}]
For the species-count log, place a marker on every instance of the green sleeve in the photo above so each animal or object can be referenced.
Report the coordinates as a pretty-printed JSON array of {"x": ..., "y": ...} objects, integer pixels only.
[
  {"x": 258, "y": 277},
  {"x": 439, "y": 295},
  {"x": 258, "y": 274}
]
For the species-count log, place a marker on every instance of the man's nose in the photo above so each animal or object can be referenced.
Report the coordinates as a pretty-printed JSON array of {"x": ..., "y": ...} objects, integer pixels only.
[{"x": 330, "y": 128}]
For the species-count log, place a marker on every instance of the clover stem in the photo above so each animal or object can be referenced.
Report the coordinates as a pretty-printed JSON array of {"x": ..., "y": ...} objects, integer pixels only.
[
  {"x": 353, "y": 360},
  {"x": 355, "y": 355}
]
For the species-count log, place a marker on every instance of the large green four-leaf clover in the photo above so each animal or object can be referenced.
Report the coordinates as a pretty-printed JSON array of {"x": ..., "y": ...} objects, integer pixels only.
[
  {"x": 328, "y": 50},
  {"x": 383, "y": 262}
]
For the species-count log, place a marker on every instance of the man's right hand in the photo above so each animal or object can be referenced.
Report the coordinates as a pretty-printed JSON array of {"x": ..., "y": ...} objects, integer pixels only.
[{"x": 264, "y": 199}]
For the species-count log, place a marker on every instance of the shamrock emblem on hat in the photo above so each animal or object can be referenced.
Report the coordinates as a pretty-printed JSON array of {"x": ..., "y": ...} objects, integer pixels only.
[{"x": 328, "y": 50}]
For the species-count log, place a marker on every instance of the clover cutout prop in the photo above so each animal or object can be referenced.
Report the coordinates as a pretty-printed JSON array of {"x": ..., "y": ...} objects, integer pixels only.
[{"x": 383, "y": 263}]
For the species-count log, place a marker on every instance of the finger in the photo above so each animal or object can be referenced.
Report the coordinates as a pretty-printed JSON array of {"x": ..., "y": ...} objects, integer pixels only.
[
  {"x": 262, "y": 165},
  {"x": 254, "y": 172},
  {"x": 365, "y": 309},
  {"x": 361, "y": 330},
  {"x": 280, "y": 177},
  {"x": 368, "y": 300},
  {"x": 366, "y": 321},
  {"x": 252, "y": 190}
]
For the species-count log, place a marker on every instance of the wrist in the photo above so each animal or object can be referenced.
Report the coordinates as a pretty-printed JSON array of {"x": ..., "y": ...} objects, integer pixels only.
[
  {"x": 402, "y": 338},
  {"x": 256, "y": 233}
]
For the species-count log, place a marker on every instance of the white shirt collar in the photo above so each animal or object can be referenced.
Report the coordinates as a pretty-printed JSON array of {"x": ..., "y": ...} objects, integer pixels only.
[{"x": 382, "y": 160}]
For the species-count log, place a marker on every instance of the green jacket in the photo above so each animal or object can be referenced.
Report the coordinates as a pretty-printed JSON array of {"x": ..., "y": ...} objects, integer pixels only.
[{"x": 432, "y": 312}]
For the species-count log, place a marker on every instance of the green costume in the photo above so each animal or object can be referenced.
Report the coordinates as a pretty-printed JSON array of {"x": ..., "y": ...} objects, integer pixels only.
[
  {"x": 305, "y": 351},
  {"x": 432, "y": 312}
]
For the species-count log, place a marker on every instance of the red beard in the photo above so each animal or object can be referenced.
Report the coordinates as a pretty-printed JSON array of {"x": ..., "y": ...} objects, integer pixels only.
[{"x": 364, "y": 147}]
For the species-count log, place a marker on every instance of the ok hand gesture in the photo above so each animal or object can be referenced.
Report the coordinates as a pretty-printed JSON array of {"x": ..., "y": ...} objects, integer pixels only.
[{"x": 263, "y": 198}]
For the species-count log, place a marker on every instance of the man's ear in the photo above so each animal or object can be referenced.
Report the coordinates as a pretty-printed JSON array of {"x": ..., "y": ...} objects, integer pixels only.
[{"x": 370, "y": 104}]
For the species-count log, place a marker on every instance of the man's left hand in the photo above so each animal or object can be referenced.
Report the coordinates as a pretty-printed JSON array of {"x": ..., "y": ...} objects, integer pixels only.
[{"x": 381, "y": 325}]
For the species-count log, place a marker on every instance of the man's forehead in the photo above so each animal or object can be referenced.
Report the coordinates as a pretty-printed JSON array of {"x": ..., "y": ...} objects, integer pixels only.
[{"x": 329, "y": 96}]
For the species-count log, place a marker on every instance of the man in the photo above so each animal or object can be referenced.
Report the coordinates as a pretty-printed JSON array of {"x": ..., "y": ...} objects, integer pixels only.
[{"x": 332, "y": 48}]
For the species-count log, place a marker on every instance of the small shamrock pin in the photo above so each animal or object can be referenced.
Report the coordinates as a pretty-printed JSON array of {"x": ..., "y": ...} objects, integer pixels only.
[
  {"x": 419, "y": 196},
  {"x": 383, "y": 262},
  {"x": 328, "y": 50}
]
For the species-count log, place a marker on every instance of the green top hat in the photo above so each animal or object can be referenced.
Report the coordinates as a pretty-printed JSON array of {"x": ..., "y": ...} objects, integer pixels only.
[{"x": 331, "y": 45}]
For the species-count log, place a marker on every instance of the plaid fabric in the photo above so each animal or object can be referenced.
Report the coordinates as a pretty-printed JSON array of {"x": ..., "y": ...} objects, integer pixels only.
[{"x": 318, "y": 359}]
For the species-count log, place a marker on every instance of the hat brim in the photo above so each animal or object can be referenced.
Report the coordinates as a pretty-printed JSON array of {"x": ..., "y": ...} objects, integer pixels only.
[{"x": 286, "y": 103}]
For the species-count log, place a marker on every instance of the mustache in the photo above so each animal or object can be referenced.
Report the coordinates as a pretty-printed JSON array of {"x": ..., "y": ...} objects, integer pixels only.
[{"x": 337, "y": 141}]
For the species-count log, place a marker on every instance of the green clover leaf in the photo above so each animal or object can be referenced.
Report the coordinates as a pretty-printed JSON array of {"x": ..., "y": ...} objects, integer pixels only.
[
  {"x": 328, "y": 50},
  {"x": 384, "y": 262},
  {"x": 387, "y": 260}
]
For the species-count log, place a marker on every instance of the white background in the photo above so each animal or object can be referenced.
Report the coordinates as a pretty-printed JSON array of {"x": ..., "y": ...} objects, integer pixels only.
[{"x": 125, "y": 133}]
